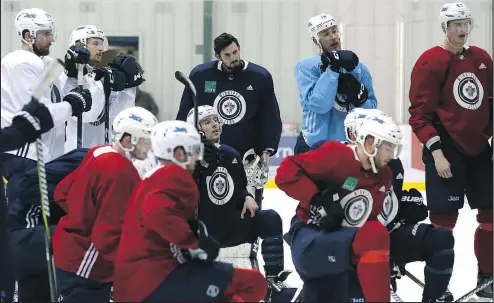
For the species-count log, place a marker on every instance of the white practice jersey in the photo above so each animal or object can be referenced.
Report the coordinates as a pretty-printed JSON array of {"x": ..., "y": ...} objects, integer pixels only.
[
  {"x": 93, "y": 127},
  {"x": 21, "y": 72}
]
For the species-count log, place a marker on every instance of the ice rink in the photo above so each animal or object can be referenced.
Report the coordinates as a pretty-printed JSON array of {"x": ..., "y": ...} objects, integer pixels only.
[{"x": 464, "y": 273}]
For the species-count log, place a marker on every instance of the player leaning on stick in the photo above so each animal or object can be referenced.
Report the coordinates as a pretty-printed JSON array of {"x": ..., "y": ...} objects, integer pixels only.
[
  {"x": 21, "y": 73},
  {"x": 451, "y": 114},
  {"x": 119, "y": 81},
  {"x": 330, "y": 84}
]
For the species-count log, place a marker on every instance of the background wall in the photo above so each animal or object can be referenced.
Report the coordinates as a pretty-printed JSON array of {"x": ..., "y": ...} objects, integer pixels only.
[{"x": 388, "y": 35}]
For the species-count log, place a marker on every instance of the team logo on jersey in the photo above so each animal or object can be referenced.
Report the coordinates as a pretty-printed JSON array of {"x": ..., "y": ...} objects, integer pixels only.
[
  {"x": 468, "y": 91},
  {"x": 390, "y": 208},
  {"x": 230, "y": 106},
  {"x": 220, "y": 186},
  {"x": 357, "y": 206}
]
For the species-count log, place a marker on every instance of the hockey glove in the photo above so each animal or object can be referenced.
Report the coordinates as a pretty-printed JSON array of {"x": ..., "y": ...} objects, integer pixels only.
[
  {"x": 210, "y": 151},
  {"x": 34, "y": 120},
  {"x": 339, "y": 59},
  {"x": 396, "y": 273},
  {"x": 325, "y": 210},
  {"x": 132, "y": 69},
  {"x": 113, "y": 79},
  {"x": 80, "y": 100},
  {"x": 352, "y": 90},
  {"x": 209, "y": 247},
  {"x": 412, "y": 208},
  {"x": 76, "y": 55}
]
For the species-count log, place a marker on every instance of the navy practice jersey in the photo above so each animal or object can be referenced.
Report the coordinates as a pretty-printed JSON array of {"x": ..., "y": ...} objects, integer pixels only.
[
  {"x": 25, "y": 211},
  {"x": 222, "y": 189},
  {"x": 245, "y": 101}
]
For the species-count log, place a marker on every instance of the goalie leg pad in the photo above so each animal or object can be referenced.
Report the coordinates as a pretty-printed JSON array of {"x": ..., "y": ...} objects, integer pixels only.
[
  {"x": 206, "y": 282},
  {"x": 240, "y": 256},
  {"x": 438, "y": 252}
]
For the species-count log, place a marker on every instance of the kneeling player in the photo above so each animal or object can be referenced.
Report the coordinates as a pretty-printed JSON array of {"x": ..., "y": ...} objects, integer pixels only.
[
  {"x": 95, "y": 197},
  {"x": 160, "y": 257},
  {"x": 323, "y": 250},
  {"x": 222, "y": 184},
  {"x": 410, "y": 240},
  {"x": 26, "y": 230}
]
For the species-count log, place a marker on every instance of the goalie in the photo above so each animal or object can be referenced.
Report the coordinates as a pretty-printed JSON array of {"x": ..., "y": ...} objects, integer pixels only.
[{"x": 229, "y": 210}]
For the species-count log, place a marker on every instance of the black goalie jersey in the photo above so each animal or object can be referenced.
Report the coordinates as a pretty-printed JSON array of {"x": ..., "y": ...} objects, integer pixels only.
[
  {"x": 222, "y": 188},
  {"x": 245, "y": 100}
]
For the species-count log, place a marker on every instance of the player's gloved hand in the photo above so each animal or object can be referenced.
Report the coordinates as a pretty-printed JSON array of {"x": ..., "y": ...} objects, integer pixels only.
[
  {"x": 132, "y": 69},
  {"x": 352, "y": 90},
  {"x": 113, "y": 79},
  {"x": 339, "y": 59},
  {"x": 210, "y": 151},
  {"x": 412, "y": 208},
  {"x": 396, "y": 273},
  {"x": 325, "y": 210},
  {"x": 34, "y": 120},
  {"x": 76, "y": 55},
  {"x": 80, "y": 100},
  {"x": 209, "y": 247}
]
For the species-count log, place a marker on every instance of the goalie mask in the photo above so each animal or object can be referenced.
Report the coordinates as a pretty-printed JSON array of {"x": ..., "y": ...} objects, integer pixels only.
[{"x": 256, "y": 170}]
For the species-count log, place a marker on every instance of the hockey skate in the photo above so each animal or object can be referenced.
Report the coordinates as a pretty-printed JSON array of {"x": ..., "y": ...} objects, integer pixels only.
[
  {"x": 447, "y": 296},
  {"x": 278, "y": 291},
  {"x": 485, "y": 293}
]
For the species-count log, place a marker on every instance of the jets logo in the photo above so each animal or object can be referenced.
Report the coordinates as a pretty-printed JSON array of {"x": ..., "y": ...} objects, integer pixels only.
[
  {"x": 390, "y": 208},
  {"x": 230, "y": 106},
  {"x": 357, "y": 206},
  {"x": 220, "y": 186},
  {"x": 468, "y": 91}
]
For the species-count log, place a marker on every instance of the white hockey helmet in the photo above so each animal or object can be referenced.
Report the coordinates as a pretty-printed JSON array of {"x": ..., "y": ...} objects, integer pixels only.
[
  {"x": 204, "y": 111},
  {"x": 84, "y": 32},
  {"x": 319, "y": 23},
  {"x": 383, "y": 130},
  {"x": 354, "y": 119},
  {"x": 135, "y": 121},
  {"x": 33, "y": 20},
  {"x": 169, "y": 135},
  {"x": 455, "y": 11}
]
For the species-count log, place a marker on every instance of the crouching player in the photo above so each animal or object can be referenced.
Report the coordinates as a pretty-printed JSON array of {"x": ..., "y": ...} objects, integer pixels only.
[
  {"x": 230, "y": 211},
  {"x": 410, "y": 240},
  {"x": 161, "y": 257},
  {"x": 336, "y": 231}
]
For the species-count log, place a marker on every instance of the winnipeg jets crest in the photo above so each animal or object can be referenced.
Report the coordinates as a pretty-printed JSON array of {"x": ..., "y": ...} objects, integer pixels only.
[
  {"x": 357, "y": 206},
  {"x": 468, "y": 91},
  {"x": 220, "y": 186},
  {"x": 230, "y": 106},
  {"x": 390, "y": 208}
]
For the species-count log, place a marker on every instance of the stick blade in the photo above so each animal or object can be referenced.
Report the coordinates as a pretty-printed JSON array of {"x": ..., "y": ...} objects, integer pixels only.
[{"x": 180, "y": 77}]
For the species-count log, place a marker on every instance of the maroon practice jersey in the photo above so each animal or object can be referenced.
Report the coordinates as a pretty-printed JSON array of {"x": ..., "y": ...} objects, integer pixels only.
[
  {"x": 155, "y": 231},
  {"x": 334, "y": 163},
  {"x": 456, "y": 88},
  {"x": 95, "y": 198}
]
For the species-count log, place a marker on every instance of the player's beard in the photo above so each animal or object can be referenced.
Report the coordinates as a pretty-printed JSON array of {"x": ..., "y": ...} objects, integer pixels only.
[{"x": 41, "y": 52}]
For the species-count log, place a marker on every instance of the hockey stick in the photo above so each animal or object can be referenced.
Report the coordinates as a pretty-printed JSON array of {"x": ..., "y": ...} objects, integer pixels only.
[
  {"x": 51, "y": 73},
  {"x": 80, "y": 83},
  {"x": 395, "y": 296},
  {"x": 414, "y": 279},
  {"x": 106, "y": 115},
  {"x": 182, "y": 78},
  {"x": 471, "y": 293}
]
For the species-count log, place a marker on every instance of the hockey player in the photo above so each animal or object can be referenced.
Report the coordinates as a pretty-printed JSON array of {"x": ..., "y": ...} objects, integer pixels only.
[
  {"x": 161, "y": 256},
  {"x": 358, "y": 180},
  {"x": 243, "y": 94},
  {"x": 21, "y": 73},
  {"x": 118, "y": 88},
  {"x": 330, "y": 84},
  {"x": 223, "y": 193},
  {"x": 95, "y": 198},
  {"x": 410, "y": 240},
  {"x": 26, "y": 229},
  {"x": 451, "y": 114}
]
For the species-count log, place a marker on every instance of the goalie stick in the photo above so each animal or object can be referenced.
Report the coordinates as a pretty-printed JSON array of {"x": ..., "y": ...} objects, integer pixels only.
[
  {"x": 182, "y": 78},
  {"x": 51, "y": 73}
]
